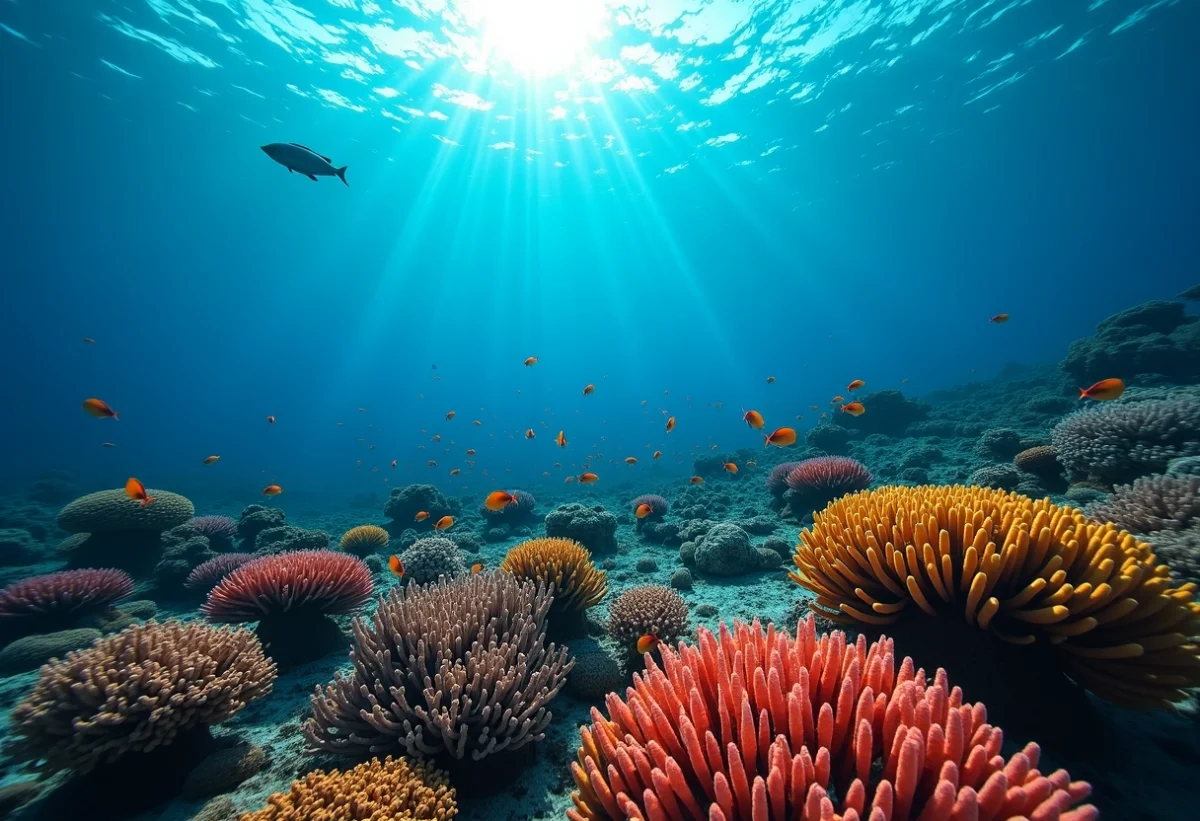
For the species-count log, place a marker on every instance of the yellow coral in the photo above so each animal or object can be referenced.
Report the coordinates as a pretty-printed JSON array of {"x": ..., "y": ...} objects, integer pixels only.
[
  {"x": 364, "y": 539},
  {"x": 563, "y": 563},
  {"x": 395, "y": 788},
  {"x": 1022, "y": 569}
]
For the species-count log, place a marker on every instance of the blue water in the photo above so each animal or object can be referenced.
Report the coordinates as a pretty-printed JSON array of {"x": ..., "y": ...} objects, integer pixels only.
[{"x": 688, "y": 197}]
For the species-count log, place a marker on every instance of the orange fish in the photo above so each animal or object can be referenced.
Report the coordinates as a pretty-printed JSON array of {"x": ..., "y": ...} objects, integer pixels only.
[
  {"x": 100, "y": 409},
  {"x": 855, "y": 385},
  {"x": 530, "y": 361},
  {"x": 588, "y": 390},
  {"x": 272, "y": 490},
  {"x": 560, "y": 440},
  {"x": 836, "y": 399},
  {"x": 754, "y": 419},
  {"x": 854, "y": 409},
  {"x": 647, "y": 643},
  {"x": 657, "y": 454},
  {"x": 421, "y": 516},
  {"x": 1104, "y": 390},
  {"x": 449, "y": 415},
  {"x": 393, "y": 464},
  {"x": 396, "y": 566},
  {"x": 444, "y": 523},
  {"x": 455, "y": 471},
  {"x": 588, "y": 478},
  {"x": 211, "y": 459},
  {"x": 782, "y": 437},
  {"x": 270, "y": 420},
  {"x": 730, "y": 467},
  {"x": 643, "y": 510},
  {"x": 529, "y": 434},
  {"x": 137, "y": 491},
  {"x": 696, "y": 480},
  {"x": 498, "y": 500},
  {"x": 1000, "y": 319},
  {"x": 671, "y": 424},
  {"x": 770, "y": 379},
  {"x": 475, "y": 568},
  {"x": 89, "y": 340},
  {"x": 470, "y": 451},
  {"x": 630, "y": 460}
]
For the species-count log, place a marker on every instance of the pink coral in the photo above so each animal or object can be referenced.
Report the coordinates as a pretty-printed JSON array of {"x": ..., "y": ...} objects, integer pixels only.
[
  {"x": 829, "y": 475},
  {"x": 65, "y": 595},
  {"x": 309, "y": 581},
  {"x": 777, "y": 478},
  {"x": 205, "y": 576}
]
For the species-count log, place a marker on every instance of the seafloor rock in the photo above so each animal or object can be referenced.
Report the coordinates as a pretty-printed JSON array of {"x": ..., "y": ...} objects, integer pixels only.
[
  {"x": 254, "y": 520},
  {"x": 832, "y": 439},
  {"x": 888, "y": 412},
  {"x": 593, "y": 527},
  {"x": 17, "y": 547},
  {"x": 54, "y": 487},
  {"x": 725, "y": 551},
  {"x": 999, "y": 443},
  {"x": 31, "y": 652},
  {"x": 1003, "y": 477},
  {"x": 1154, "y": 339},
  {"x": 596, "y": 673},
  {"x": 184, "y": 549},
  {"x": 223, "y": 771},
  {"x": 404, "y": 503},
  {"x": 286, "y": 538},
  {"x": 681, "y": 579}
]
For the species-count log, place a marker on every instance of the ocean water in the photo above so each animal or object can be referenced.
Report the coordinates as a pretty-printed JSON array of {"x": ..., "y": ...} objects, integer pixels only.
[{"x": 698, "y": 207}]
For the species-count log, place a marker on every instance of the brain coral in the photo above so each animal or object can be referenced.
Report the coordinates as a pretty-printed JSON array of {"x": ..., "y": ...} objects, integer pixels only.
[
  {"x": 1152, "y": 503},
  {"x": 431, "y": 557},
  {"x": 394, "y": 788},
  {"x": 458, "y": 668},
  {"x": 1027, "y": 571},
  {"x": 562, "y": 565},
  {"x": 136, "y": 691},
  {"x": 724, "y": 550},
  {"x": 650, "y": 608},
  {"x": 751, "y": 724},
  {"x": 364, "y": 539},
  {"x": 110, "y": 511},
  {"x": 593, "y": 527},
  {"x": 1118, "y": 442},
  {"x": 520, "y": 510},
  {"x": 1041, "y": 460},
  {"x": 55, "y": 599}
]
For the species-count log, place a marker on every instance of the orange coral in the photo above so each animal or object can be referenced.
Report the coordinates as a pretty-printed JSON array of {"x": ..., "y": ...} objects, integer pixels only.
[
  {"x": 1024, "y": 570},
  {"x": 754, "y": 724},
  {"x": 563, "y": 564},
  {"x": 364, "y": 539}
]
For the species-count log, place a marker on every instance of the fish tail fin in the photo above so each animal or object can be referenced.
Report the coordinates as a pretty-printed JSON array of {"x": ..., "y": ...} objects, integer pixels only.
[
  {"x": 146, "y": 502},
  {"x": 341, "y": 172},
  {"x": 1083, "y": 393},
  {"x": 116, "y": 416}
]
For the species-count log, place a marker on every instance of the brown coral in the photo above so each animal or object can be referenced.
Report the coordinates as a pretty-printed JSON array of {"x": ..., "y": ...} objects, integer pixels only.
[
  {"x": 1025, "y": 570},
  {"x": 394, "y": 788},
  {"x": 137, "y": 690},
  {"x": 650, "y": 608},
  {"x": 562, "y": 564},
  {"x": 455, "y": 668},
  {"x": 1041, "y": 460},
  {"x": 364, "y": 539}
]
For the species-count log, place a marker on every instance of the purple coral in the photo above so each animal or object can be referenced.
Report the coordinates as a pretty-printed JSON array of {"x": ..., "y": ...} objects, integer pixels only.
[
  {"x": 777, "y": 478},
  {"x": 204, "y": 576},
  {"x": 1152, "y": 503},
  {"x": 64, "y": 595},
  {"x": 830, "y": 475},
  {"x": 1118, "y": 442},
  {"x": 215, "y": 527},
  {"x": 658, "y": 505}
]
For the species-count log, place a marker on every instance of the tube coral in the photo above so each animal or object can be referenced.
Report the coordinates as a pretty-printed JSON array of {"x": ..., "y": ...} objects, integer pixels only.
[
  {"x": 753, "y": 724},
  {"x": 1024, "y": 570}
]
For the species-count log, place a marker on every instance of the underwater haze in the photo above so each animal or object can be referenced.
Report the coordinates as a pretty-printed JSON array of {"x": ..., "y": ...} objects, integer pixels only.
[{"x": 695, "y": 208}]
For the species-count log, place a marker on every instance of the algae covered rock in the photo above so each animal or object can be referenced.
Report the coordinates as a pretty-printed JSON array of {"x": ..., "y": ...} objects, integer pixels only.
[
  {"x": 286, "y": 538},
  {"x": 255, "y": 519},
  {"x": 31, "y": 652},
  {"x": 725, "y": 550},
  {"x": 1154, "y": 339},
  {"x": 223, "y": 771},
  {"x": 432, "y": 557},
  {"x": 404, "y": 503},
  {"x": 18, "y": 547},
  {"x": 593, "y": 527}
]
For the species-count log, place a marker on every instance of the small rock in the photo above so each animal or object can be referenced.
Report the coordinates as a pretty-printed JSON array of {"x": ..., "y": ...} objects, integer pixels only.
[
  {"x": 374, "y": 563},
  {"x": 780, "y": 545},
  {"x": 31, "y": 652},
  {"x": 687, "y": 553},
  {"x": 705, "y": 611},
  {"x": 767, "y": 559},
  {"x": 223, "y": 771},
  {"x": 609, "y": 563},
  {"x": 596, "y": 673},
  {"x": 646, "y": 565},
  {"x": 681, "y": 579}
]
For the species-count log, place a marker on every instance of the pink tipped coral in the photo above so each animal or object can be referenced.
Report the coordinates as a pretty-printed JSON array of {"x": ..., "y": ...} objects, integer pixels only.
[
  {"x": 303, "y": 581},
  {"x": 754, "y": 724},
  {"x": 204, "y": 576},
  {"x": 777, "y": 478},
  {"x": 215, "y": 527},
  {"x": 829, "y": 476},
  {"x": 66, "y": 594}
]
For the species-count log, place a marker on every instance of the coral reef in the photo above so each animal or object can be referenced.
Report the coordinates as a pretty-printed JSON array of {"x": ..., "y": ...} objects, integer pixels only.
[
  {"x": 455, "y": 669},
  {"x": 753, "y": 724},
  {"x": 17, "y": 547},
  {"x": 56, "y": 601},
  {"x": 1000, "y": 477},
  {"x": 596, "y": 671},
  {"x": 254, "y": 520},
  {"x": 888, "y": 412},
  {"x": 830, "y": 438},
  {"x": 1119, "y": 441},
  {"x": 650, "y": 608},
  {"x": 999, "y": 443},
  {"x": 724, "y": 550},
  {"x": 520, "y": 511},
  {"x": 184, "y": 548},
  {"x": 1025, "y": 570},
  {"x": 219, "y": 530},
  {"x": 122, "y": 532},
  {"x": 31, "y": 652},
  {"x": 288, "y": 538},
  {"x": 404, "y": 503},
  {"x": 777, "y": 478},
  {"x": 593, "y": 527},
  {"x": 394, "y": 788},
  {"x": 1152, "y": 503},
  {"x": 565, "y": 568},
  {"x": 135, "y": 691},
  {"x": 223, "y": 771},
  {"x": 432, "y": 557},
  {"x": 658, "y": 506},
  {"x": 204, "y": 577},
  {"x": 364, "y": 540},
  {"x": 1154, "y": 340},
  {"x": 291, "y": 596},
  {"x": 1040, "y": 460},
  {"x": 52, "y": 487}
]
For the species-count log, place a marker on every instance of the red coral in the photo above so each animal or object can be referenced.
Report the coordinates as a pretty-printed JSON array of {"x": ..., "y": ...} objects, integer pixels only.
[
  {"x": 205, "y": 575},
  {"x": 68, "y": 593},
  {"x": 308, "y": 581},
  {"x": 726, "y": 730},
  {"x": 829, "y": 475}
]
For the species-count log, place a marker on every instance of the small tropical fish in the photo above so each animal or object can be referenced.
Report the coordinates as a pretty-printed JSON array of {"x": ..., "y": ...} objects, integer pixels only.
[
  {"x": 560, "y": 440},
  {"x": 770, "y": 379},
  {"x": 730, "y": 467},
  {"x": 657, "y": 454},
  {"x": 137, "y": 491},
  {"x": 270, "y": 420},
  {"x": 455, "y": 471},
  {"x": 107, "y": 445},
  {"x": 568, "y": 480},
  {"x": 904, "y": 381},
  {"x": 444, "y": 523},
  {"x": 781, "y": 437},
  {"x": 696, "y": 480},
  {"x": 100, "y": 409},
  {"x": 475, "y": 568},
  {"x": 814, "y": 407},
  {"x": 671, "y": 424},
  {"x": 588, "y": 478},
  {"x": 476, "y": 422},
  {"x": 272, "y": 490},
  {"x": 647, "y": 643},
  {"x": 211, "y": 460},
  {"x": 529, "y": 434},
  {"x": 421, "y": 516},
  {"x": 393, "y": 464},
  {"x": 470, "y": 451},
  {"x": 643, "y": 510},
  {"x": 752, "y": 464},
  {"x": 431, "y": 463},
  {"x": 498, "y": 500},
  {"x": 631, "y": 460},
  {"x": 754, "y": 419},
  {"x": 835, "y": 400},
  {"x": 530, "y": 361},
  {"x": 854, "y": 409},
  {"x": 1104, "y": 390},
  {"x": 88, "y": 340},
  {"x": 362, "y": 410},
  {"x": 855, "y": 385},
  {"x": 1000, "y": 319},
  {"x": 643, "y": 403},
  {"x": 589, "y": 389},
  {"x": 714, "y": 447},
  {"x": 449, "y": 415},
  {"x": 437, "y": 437},
  {"x": 396, "y": 566}
]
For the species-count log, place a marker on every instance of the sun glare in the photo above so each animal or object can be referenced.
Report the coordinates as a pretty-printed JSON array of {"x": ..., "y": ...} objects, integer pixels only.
[{"x": 541, "y": 37}]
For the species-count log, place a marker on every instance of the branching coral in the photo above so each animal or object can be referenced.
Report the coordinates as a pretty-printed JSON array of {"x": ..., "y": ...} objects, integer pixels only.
[
  {"x": 458, "y": 668},
  {"x": 1024, "y": 570},
  {"x": 364, "y": 540},
  {"x": 1152, "y": 503},
  {"x": 753, "y": 724},
  {"x": 564, "y": 565},
  {"x": 650, "y": 608},
  {"x": 135, "y": 691},
  {"x": 1118, "y": 442},
  {"x": 394, "y": 788}
]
